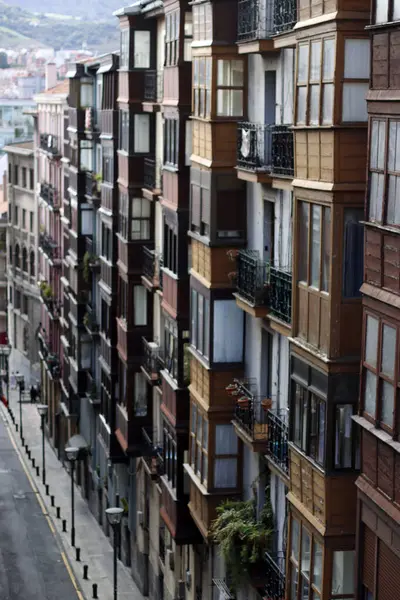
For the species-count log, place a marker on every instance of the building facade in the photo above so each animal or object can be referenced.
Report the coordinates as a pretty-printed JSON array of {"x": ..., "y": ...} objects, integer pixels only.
[{"x": 22, "y": 251}]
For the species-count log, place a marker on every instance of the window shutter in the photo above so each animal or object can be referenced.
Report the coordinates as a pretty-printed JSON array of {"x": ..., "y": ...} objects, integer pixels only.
[
  {"x": 195, "y": 216},
  {"x": 369, "y": 559},
  {"x": 388, "y": 572}
]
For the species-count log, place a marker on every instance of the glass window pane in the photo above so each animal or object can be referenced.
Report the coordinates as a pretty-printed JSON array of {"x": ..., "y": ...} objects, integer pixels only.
[
  {"x": 226, "y": 441},
  {"x": 381, "y": 145},
  {"x": 396, "y": 10},
  {"x": 236, "y": 103},
  {"x": 356, "y": 59},
  {"x": 199, "y": 427},
  {"x": 314, "y": 104},
  {"x": 295, "y": 540},
  {"x": 305, "y": 590},
  {"x": 387, "y": 404},
  {"x": 388, "y": 350},
  {"x": 376, "y": 197},
  {"x": 392, "y": 146},
  {"x": 142, "y": 133},
  {"x": 371, "y": 340},
  {"x": 315, "y": 67},
  {"x": 225, "y": 472},
  {"x": 315, "y": 258},
  {"x": 205, "y": 434},
  {"x": 343, "y": 437},
  {"x": 301, "y": 105},
  {"x": 328, "y": 90},
  {"x": 302, "y": 67},
  {"x": 236, "y": 73},
  {"x": 223, "y": 73},
  {"x": 354, "y": 102},
  {"x": 329, "y": 60},
  {"x": 374, "y": 137},
  {"x": 305, "y": 553},
  {"x": 293, "y": 583},
  {"x": 381, "y": 11},
  {"x": 317, "y": 566},
  {"x": 194, "y": 415},
  {"x": 303, "y": 241},
  {"x": 370, "y": 393},
  {"x": 326, "y": 250},
  {"x": 343, "y": 572},
  {"x": 142, "y": 49}
]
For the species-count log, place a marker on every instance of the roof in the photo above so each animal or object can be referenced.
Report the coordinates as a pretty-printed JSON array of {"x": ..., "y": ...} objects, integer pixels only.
[
  {"x": 22, "y": 148},
  {"x": 60, "y": 88}
]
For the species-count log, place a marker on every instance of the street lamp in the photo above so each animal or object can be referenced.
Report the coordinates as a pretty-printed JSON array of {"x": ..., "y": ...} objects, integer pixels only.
[
  {"x": 42, "y": 410},
  {"x": 72, "y": 455},
  {"x": 114, "y": 517},
  {"x": 21, "y": 384}
]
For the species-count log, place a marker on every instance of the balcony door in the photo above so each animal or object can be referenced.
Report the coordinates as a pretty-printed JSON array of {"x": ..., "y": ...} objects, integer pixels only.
[
  {"x": 269, "y": 111},
  {"x": 269, "y": 225}
]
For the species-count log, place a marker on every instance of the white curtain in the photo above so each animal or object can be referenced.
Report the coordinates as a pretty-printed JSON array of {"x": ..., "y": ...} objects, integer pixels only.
[{"x": 228, "y": 332}]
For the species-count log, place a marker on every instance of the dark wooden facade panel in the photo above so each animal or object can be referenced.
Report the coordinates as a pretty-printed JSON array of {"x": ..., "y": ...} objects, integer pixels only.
[
  {"x": 369, "y": 456},
  {"x": 380, "y": 61},
  {"x": 382, "y": 259},
  {"x": 388, "y": 573},
  {"x": 385, "y": 469},
  {"x": 369, "y": 560}
]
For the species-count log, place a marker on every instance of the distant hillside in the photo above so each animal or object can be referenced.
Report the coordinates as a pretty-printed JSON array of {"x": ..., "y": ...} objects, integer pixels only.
[
  {"x": 92, "y": 9},
  {"x": 59, "y": 33}
]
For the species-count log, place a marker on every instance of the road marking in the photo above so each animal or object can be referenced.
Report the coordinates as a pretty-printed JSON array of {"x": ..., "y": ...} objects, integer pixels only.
[{"x": 44, "y": 511}]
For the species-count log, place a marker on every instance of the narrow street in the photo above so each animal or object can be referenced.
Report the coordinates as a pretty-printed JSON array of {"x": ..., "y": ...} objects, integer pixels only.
[{"x": 31, "y": 562}]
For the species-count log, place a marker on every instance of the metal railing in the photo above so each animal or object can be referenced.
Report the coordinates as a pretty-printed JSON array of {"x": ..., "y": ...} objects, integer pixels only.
[
  {"x": 277, "y": 448},
  {"x": 149, "y": 175},
  {"x": 151, "y": 360},
  {"x": 153, "y": 85},
  {"x": 251, "y": 411},
  {"x": 104, "y": 431},
  {"x": 262, "y": 19},
  {"x": 149, "y": 263},
  {"x": 49, "y": 194},
  {"x": 49, "y": 246},
  {"x": 275, "y": 576},
  {"x": 254, "y": 142},
  {"x": 160, "y": 273},
  {"x": 152, "y": 452},
  {"x": 282, "y": 150},
  {"x": 280, "y": 293},
  {"x": 252, "y": 277}
]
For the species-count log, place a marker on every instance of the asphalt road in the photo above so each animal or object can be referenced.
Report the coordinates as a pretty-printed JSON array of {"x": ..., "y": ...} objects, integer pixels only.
[{"x": 31, "y": 563}]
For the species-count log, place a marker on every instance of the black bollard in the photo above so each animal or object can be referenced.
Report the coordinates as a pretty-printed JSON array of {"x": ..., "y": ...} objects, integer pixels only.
[
  {"x": 26, "y": 448},
  {"x": 94, "y": 588},
  {"x": 37, "y": 471},
  {"x": 33, "y": 462},
  {"x": 47, "y": 489},
  {"x": 85, "y": 572},
  {"x": 64, "y": 525},
  {"x": 29, "y": 454},
  {"x": 16, "y": 427},
  {"x": 58, "y": 512},
  {"x": 52, "y": 500},
  {"x": 78, "y": 554}
]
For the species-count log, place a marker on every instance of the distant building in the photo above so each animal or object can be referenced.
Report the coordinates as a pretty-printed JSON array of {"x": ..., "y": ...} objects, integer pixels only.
[{"x": 14, "y": 124}]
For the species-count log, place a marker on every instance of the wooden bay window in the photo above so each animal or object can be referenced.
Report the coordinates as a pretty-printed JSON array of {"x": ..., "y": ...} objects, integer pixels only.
[
  {"x": 314, "y": 245},
  {"x": 386, "y": 11}
]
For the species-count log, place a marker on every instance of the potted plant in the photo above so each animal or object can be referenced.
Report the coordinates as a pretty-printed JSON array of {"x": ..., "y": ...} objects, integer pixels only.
[
  {"x": 232, "y": 389},
  {"x": 243, "y": 402},
  {"x": 266, "y": 403}
]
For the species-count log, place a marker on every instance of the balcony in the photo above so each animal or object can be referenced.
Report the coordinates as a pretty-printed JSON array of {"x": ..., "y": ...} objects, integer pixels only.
[
  {"x": 252, "y": 277},
  {"x": 92, "y": 186},
  {"x": 152, "y": 361},
  {"x": 50, "y": 143},
  {"x": 152, "y": 453},
  {"x": 260, "y": 20},
  {"x": 48, "y": 356},
  {"x": 275, "y": 576},
  {"x": 151, "y": 270},
  {"x": 90, "y": 322},
  {"x": 92, "y": 392},
  {"x": 264, "y": 151},
  {"x": 250, "y": 416},
  {"x": 153, "y": 86},
  {"x": 151, "y": 176},
  {"x": 277, "y": 447},
  {"x": 50, "y": 195},
  {"x": 280, "y": 294},
  {"x": 50, "y": 248}
]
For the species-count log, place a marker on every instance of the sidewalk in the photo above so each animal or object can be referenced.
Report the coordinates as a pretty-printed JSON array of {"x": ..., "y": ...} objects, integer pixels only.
[{"x": 96, "y": 550}]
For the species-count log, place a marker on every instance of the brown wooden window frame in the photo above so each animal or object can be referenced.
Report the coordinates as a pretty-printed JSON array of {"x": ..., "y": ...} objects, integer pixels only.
[
  {"x": 231, "y": 88},
  {"x": 295, "y": 564},
  {"x": 172, "y": 28},
  {"x": 202, "y": 86},
  {"x": 308, "y": 394},
  {"x": 390, "y": 12},
  {"x": 379, "y": 374},
  {"x": 171, "y": 142},
  {"x": 199, "y": 443},
  {"x": 202, "y": 22},
  {"x": 323, "y": 250},
  {"x": 320, "y": 82}
]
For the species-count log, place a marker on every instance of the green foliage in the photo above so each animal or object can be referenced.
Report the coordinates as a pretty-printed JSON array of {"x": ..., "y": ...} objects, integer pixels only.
[
  {"x": 125, "y": 505},
  {"x": 88, "y": 260},
  {"x": 241, "y": 537},
  {"x": 46, "y": 290}
]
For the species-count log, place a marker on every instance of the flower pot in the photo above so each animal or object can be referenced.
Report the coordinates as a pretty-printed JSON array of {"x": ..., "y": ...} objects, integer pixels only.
[
  {"x": 243, "y": 402},
  {"x": 266, "y": 403}
]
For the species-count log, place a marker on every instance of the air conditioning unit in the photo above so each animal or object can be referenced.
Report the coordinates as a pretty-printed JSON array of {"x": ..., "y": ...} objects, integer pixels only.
[
  {"x": 188, "y": 579},
  {"x": 171, "y": 559},
  {"x": 140, "y": 517}
]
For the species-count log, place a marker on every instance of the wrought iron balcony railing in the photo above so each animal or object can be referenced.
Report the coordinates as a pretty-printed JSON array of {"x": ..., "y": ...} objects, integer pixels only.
[
  {"x": 152, "y": 174},
  {"x": 160, "y": 273},
  {"x": 265, "y": 148},
  {"x": 282, "y": 151},
  {"x": 50, "y": 143},
  {"x": 153, "y": 85},
  {"x": 262, "y": 19},
  {"x": 149, "y": 263},
  {"x": 152, "y": 362},
  {"x": 49, "y": 246},
  {"x": 92, "y": 185},
  {"x": 50, "y": 195},
  {"x": 277, "y": 448},
  {"x": 250, "y": 410},
  {"x": 280, "y": 293},
  {"x": 152, "y": 453},
  {"x": 275, "y": 576},
  {"x": 252, "y": 277}
]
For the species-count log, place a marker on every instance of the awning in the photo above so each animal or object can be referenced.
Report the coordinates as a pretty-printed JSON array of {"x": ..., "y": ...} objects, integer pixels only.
[{"x": 78, "y": 441}]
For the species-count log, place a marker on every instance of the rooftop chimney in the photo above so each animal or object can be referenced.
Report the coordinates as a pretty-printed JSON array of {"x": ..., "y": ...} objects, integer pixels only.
[{"x": 51, "y": 75}]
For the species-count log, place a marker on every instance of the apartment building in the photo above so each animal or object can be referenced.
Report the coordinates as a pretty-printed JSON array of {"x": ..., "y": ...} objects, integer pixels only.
[
  {"x": 24, "y": 307},
  {"x": 49, "y": 136},
  {"x": 378, "y": 555}
]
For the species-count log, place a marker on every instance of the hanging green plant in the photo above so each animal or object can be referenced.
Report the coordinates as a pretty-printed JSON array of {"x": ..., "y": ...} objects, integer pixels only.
[
  {"x": 241, "y": 537},
  {"x": 86, "y": 266}
]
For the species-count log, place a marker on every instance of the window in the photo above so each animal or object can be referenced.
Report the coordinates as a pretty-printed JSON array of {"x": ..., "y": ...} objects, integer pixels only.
[
  {"x": 188, "y": 142},
  {"x": 142, "y": 134},
  {"x": 124, "y": 130},
  {"x": 24, "y": 182},
  {"x": 17, "y": 257},
  {"x": 108, "y": 164},
  {"x": 343, "y": 573},
  {"x": 199, "y": 443},
  {"x": 140, "y": 219},
  {"x": 172, "y": 38},
  {"x": 200, "y": 323},
  {"x": 170, "y": 254},
  {"x": 31, "y": 221},
  {"x": 139, "y": 305},
  {"x": 86, "y": 93},
  {"x": 384, "y": 177},
  {"x": 86, "y": 155},
  {"x": 315, "y": 245},
  {"x": 379, "y": 373},
  {"x": 123, "y": 299},
  {"x": 356, "y": 80},
  {"x": 140, "y": 395},
  {"x": 170, "y": 453},
  {"x": 171, "y": 347},
  {"x": 10, "y": 173},
  {"x": 202, "y": 22},
  {"x": 200, "y": 201},
  {"x": 23, "y": 218},
  {"x": 123, "y": 216},
  {"x": 32, "y": 263},
  {"x": 16, "y": 175},
  {"x": 230, "y": 88},
  {"x": 16, "y": 219},
  {"x": 387, "y": 11},
  {"x": 315, "y": 82},
  {"x": 228, "y": 331},
  {"x": 25, "y": 260},
  {"x": 31, "y": 179},
  {"x": 309, "y": 580},
  {"x": 141, "y": 53},
  {"x": 353, "y": 252},
  {"x": 124, "y": 56},
  {"x": 188, "y": 30},
  {"x": 171, "y": 142},
  {"x": 226, "y": 457},
  {"x": 105, "y": 318},
  {"x": 202, "y": 86},
  {"x": 106, "y": 242},
  {"x": 343, "y": 436}
]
